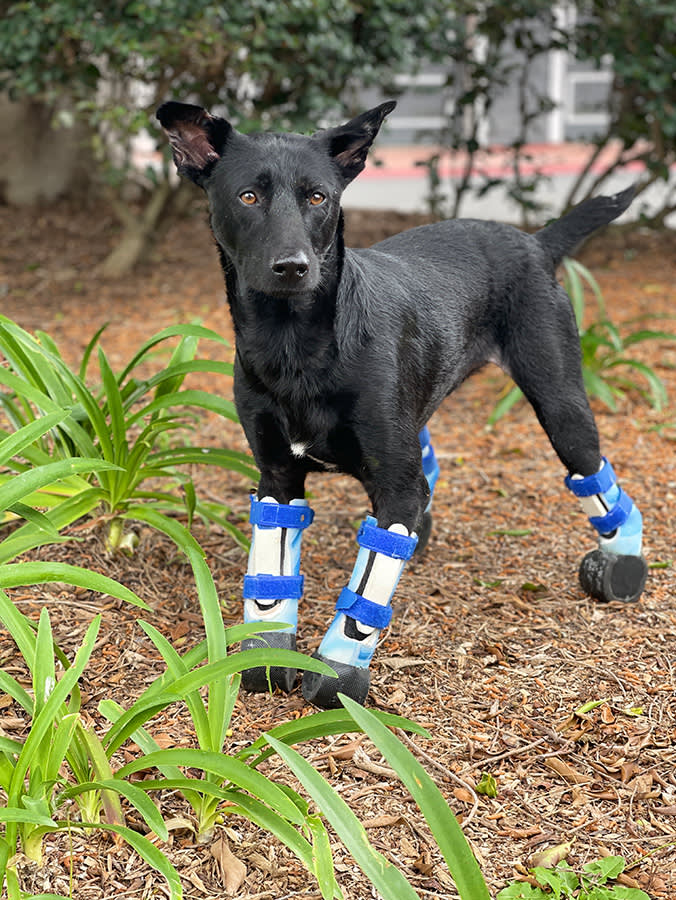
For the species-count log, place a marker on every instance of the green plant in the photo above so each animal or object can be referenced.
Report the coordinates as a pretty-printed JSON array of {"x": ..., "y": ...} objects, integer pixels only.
[
  {"x": 562, "y": 883},
  {"x": 134, "y": 426},
  {"x": 387, "y": 880},
  {"x": 607, "y": 366}
]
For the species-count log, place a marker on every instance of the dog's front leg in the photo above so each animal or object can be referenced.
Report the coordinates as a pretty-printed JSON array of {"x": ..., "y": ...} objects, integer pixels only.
[
  {"x": 400, "y": 493},
  {"x": 273, "y": 584}
]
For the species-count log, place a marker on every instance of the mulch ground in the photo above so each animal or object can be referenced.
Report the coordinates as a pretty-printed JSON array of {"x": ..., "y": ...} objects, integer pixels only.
[{"x": 493, "y": 645}]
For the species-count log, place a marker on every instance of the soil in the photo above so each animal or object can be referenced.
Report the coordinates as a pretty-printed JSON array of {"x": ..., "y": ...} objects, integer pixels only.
[{"x": 493, "y": 646}]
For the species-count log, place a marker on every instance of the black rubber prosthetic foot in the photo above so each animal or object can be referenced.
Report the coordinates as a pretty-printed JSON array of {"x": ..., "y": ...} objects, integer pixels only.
[
  {"x": 323, "y": 690},
  {"x": 607, "y": 576},
  {"x": 256, "y": 680}
]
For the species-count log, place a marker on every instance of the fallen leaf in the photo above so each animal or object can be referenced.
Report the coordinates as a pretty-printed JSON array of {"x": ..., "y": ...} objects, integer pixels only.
[
  {"x": 567, "y": 772},
  {"x": 382, "y": 821},
  {"x": 233, "y": 870},
  {"x": 551, "y": 856}
]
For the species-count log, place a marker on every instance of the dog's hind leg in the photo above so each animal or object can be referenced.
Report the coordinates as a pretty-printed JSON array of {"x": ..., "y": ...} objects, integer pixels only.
[
  {"x": 273, "y": 584},
  {"x": 546, "y": 365}
]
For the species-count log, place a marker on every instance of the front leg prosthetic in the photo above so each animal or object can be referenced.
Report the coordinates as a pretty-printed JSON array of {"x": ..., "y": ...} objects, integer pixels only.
[
  {"x": 362, "y": 611},
  {"x": 616, "y": 570},
  {"x": 273, "y": 584}
]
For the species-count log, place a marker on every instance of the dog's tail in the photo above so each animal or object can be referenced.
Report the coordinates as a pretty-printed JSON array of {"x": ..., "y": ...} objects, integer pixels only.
[{"x": 563, "y": 236}]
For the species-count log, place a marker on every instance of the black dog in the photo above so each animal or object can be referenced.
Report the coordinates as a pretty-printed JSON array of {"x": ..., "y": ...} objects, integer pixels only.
[{"x": 343, "y": 355}]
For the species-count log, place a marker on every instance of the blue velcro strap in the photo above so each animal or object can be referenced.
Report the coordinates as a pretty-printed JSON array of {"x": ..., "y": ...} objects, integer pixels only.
[
  {"x": 616, "y": 516},
  {"x": 364, "y": 611},
  {"x": 424, "y": 437},
  {"x": 279, "y": 515},
  {"x": 273, "y": 587},
  {"x": 593, "y": 484},
  {"x": 396, "y": 546}
]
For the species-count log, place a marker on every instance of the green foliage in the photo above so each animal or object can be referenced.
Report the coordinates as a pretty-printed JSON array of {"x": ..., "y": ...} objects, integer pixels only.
[
  {"x": 562, "y": 883},
  {"x": 492, "y": 46},
  {"x": 130, "y": 430},
  {"x": 608, "y": 369}
]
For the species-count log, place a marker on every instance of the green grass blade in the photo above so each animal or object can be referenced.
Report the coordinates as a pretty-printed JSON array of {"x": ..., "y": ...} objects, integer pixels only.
[
  {"x": 34, "y": 479},
  {"x": 146, "y": 850},
  {"x": 30, "y": 817},
  {"x": 177, "y": 668},
  {"x": 44, "y": 721},
  {"x": 113, "y": 405},
  {"x": 445, "y": 828},
  {"x": 261, "y": 814},
  {"x": 36, "y": 517},
  {"x": 11, "y": 686},
  {"x": 88, "y": 350},
  {"x": 386, "y": 878},
  {"x": 199, "y": 399},
  {"x": 42, "y": 664},
  {"x": 321, "y": 724},
  {"x": 23, "y": 573},
  {"x": 17, "y": 442},
  {"x": 135, "y": 795},
  {"x": 198, "y": 331},
  {"x": 503, "y": 406},
  {"x": 211, "y": 456},
  {"x": 226, "y": 768}
]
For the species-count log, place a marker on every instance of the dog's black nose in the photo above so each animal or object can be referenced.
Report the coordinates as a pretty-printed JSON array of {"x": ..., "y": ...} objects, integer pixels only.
[{"x": 292, "y": 268}]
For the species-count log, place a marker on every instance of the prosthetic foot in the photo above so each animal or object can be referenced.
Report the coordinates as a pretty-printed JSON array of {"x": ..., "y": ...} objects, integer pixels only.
[
  {"x": 431, "y": 472},
  {"x": 362, "y": 611},
  {"x": 273, "y": 584},
  {"x": 616, "y": 570}
]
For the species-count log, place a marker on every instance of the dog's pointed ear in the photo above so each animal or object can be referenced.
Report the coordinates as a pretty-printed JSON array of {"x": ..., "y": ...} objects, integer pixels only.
[
  {"x": 349, "y": 144},
  {"x": 197, "y": 138}
]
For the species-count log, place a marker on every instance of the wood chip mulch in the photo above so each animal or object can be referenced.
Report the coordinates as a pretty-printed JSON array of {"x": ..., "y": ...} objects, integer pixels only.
[{"x": 493, "y": 648}]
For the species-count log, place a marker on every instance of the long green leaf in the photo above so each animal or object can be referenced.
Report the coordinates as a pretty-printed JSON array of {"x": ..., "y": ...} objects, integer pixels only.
[
  {"x": 135, "y": 795},
  {"x": 198, "y": 331},
  {"x": 34, "y": 479},
  {"x": 17, "y": 574},
  {"x": 11, "y": 446},
  {"x": 445, "y": 828},
  {"x": 146, "y": 850},
  {"x": 226, "y": 768},
  {"x": 113, "y": 405},
  {"x": 386, "y": 878},
  {"x": 199, "y": 399}
]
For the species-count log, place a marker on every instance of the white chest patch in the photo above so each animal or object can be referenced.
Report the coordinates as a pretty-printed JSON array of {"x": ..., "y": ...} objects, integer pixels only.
[{"x": 299, "y": 449}]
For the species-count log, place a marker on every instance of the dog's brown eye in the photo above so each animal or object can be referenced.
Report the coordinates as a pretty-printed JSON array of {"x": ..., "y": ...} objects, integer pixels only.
[
  {"x": 317, "y": 198},
  {"x": 248, "y": 198}
]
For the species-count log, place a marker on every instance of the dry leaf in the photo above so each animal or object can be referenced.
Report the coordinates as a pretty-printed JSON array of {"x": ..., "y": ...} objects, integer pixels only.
[
  {"x": 463, "y": 795},
  {"x": 382, "y": 821},
  {"x": 567, "y": 772},
  {"x": 551, "y": 856},
  {"x": 233, "y": 870}
]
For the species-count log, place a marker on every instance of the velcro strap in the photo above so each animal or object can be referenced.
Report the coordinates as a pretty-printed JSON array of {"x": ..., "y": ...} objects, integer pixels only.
[
  {"x": 279, "y": 515},
  {"x": 366, "y": 612},
  {"x": 615, "y": 517},
  {"x": 273, "y": 587},
  {"x": 593, "y": 484},
  {"x": 424, "y": 437},
  {"x": 389, "y": 543}
]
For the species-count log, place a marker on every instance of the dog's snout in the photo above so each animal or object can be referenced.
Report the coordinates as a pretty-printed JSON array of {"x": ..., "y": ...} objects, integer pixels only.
[{"x": 292, "y": 268}]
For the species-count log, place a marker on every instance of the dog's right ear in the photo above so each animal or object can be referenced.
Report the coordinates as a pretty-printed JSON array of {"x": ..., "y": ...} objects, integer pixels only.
[{"x": 197, "y": 138}]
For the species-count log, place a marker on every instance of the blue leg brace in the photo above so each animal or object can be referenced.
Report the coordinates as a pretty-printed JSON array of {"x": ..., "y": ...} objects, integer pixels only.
[
  {"x": 610, "y": 510},
  {"x": 363, "y": 607},
  {"x": 273, "y": 584},
  {"x": 429, "y": 463}
]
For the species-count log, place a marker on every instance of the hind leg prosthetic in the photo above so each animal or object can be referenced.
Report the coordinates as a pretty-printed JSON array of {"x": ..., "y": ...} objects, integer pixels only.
[
  {"x": 273, "y": 584},
  {"x": 616, "y": 570},
  {"x": 362, "y": 611},
  {"x": 431, "y": 472}
]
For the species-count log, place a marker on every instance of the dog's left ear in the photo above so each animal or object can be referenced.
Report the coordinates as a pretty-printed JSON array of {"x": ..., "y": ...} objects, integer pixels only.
[
  {"x": 197, "y": 138},
  {"x": 349, "y": 144}
]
